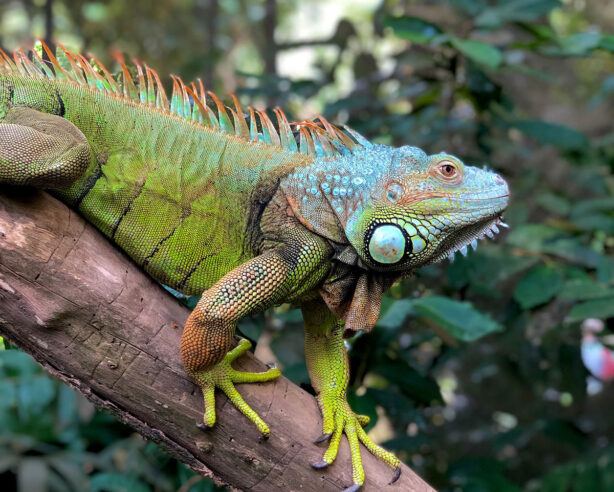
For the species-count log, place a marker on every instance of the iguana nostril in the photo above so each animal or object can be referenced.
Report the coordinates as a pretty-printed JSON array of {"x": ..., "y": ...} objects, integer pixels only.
[{"x": 498, "y": 179}]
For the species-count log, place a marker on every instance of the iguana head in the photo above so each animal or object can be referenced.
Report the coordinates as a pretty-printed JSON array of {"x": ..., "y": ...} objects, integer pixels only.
[
  {"x": 422, "y": 208},
  {"x": 400, "y": 208}
]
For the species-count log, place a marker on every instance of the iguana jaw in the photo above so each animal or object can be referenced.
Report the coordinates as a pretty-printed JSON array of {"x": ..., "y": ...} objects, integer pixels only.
[{"x": 468, "y": 236}]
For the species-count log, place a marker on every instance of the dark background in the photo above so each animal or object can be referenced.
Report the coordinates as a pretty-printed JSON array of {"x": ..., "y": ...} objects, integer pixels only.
[{"x": 491, "y": 395}]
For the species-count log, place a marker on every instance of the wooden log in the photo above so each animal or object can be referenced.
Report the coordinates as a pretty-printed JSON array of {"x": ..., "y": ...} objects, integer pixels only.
[{"x": 93, "y": 319}]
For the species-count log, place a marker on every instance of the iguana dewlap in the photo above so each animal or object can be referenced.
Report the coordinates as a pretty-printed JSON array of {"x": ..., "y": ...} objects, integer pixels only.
[{"x": 249, "y": 213}]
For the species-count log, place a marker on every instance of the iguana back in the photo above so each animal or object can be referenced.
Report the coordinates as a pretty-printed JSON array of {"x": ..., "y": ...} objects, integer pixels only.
[{"x": 182, "y": 199}]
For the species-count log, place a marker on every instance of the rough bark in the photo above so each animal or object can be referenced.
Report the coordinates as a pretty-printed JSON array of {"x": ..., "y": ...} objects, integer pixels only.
[{"x": 92, "y": 318}]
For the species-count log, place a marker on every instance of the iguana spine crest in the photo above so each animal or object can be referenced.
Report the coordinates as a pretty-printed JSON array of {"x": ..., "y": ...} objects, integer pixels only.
[{"x": 188, "y": 101}]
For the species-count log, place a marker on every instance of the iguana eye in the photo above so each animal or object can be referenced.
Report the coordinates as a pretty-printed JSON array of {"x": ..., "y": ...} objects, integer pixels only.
[
  {"x": 447, "y": 169},
  {"x": 387, "y": 244}
]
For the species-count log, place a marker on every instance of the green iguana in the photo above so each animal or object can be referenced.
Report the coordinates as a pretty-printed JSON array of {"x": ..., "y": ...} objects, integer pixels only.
[{"x": 249, "y": 213}]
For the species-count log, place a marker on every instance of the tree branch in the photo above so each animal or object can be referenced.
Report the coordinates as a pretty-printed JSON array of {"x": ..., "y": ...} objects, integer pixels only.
[{"x": 92, "y": 318}]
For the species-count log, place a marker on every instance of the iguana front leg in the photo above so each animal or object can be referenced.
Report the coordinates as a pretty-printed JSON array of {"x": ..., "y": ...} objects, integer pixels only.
[
  {"x": 39, "y": 149},
  {"x": 274, "y": 277},
  {"x": 327, "y": 362}
]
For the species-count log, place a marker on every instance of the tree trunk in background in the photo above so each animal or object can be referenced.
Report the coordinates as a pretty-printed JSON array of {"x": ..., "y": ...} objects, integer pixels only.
[
  {"x": 211, "y": 12},
  {"x": 92, "y": 318},
  {"x": 270, "y": 46},
  {"x": 49, "y": 23}
]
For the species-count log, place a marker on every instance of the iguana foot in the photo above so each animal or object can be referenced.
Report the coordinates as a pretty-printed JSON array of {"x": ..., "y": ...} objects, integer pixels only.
[
  {"x": 224, "y": 377},
  {"x": 338, "y": 419}
]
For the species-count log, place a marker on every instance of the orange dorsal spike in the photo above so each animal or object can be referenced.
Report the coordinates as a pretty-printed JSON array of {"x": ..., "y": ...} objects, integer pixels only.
[
  {"x": 266, "y": 121},
  {"x": 77, "y": 71},
  {"x": 54, "y": 61},
  {"x": 336, "y": 133},
  {"x": 239, "y": 118},
  {"x": 161, "y": 98},
  {"x": 200, "y": 105},
  {"x": 107, "y": 75},
  {"x": 187, "y": 101},
  {"x": 306, "y": 146},
  {"x": 96, "y": 78},
  {"x": 129, "y": 89},
  {"x": 285, "y": 132}
]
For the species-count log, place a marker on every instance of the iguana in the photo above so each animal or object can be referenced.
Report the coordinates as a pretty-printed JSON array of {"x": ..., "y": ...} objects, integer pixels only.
[{"x": 252, "y": 214}]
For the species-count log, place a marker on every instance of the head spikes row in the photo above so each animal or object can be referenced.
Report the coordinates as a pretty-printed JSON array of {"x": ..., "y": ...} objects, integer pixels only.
[{"x": 188, "y": 101}]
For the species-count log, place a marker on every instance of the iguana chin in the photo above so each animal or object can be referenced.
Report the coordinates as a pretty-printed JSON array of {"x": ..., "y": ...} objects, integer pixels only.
[{"x": 248, "y": 213}]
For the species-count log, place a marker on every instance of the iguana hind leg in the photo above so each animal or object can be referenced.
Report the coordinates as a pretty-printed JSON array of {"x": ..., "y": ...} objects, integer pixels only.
[
  {"x": 39, "y": 149},
  {"x": 328, "y": 366}
]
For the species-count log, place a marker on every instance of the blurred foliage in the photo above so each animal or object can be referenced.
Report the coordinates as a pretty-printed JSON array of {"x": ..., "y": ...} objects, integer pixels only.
[
  {"x": 523, "y": 85},
  {"x": 53, "y": 439}
]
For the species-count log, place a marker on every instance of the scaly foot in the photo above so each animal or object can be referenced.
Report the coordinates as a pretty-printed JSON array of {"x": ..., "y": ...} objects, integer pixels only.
[
  {"x": 224, "y": 377},
  {"x": 338, "y": 419}
]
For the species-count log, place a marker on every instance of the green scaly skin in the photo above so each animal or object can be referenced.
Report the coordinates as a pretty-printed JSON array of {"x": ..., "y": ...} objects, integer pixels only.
[{"x": 233, "y": 208}]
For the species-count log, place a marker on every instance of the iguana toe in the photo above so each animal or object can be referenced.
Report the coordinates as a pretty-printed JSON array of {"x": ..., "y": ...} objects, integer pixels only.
[
  {"x": 348, "y": 423},
  {"x": 224, "y": 377}
]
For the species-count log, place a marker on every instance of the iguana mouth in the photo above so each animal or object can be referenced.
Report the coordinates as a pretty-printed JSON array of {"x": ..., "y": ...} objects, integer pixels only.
[{"x": 469, "y": 236}]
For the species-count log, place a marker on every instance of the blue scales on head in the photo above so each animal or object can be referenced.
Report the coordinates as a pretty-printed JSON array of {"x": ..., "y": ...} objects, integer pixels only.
[{"x": 399, "y": 208}]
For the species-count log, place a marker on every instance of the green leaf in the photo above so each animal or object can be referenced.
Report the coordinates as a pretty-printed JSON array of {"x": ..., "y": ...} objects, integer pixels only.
[
  {"x": 532, "y": 237},
  {"x": 595, "y": 222},
  {"x": 8, "y": 392},
  {"x": 597, "y": 308},
  {"x": 34, "y": 394},
  {"x": 580, "y": 43},
  {"x": 396, "y": 314},
  {"x": 412, "y": 28},
  {"x": 460, "y": 319},
  {"x": 479, "y": 52},
  {"x": 410, "y": 382},
  {"x": 607, "y": 42},
  {"x": 605, "y": 270},
  {"x": 116, "y": 482},
  {"x": 547, "y": 133},
  {"x": 582, "y": 289},
  {"x": 556, "y": 480},
  {"x": 515, "y": 11},
  {"x": 538, "y": 286},
  {"x": 571, "y": 250},
  {"x": 553, "y": 203},
  {"x": 594, "y": 205},
  {"x": 17, "y": 363}
]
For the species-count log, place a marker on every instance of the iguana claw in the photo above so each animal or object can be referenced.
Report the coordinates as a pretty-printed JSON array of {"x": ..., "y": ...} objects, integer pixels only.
[
  {"x": 322, "y": 438},
  {"x": 224, "y": 377},
  {"x": 353, "y": 488},
  {"x": 396, "y": 476}
]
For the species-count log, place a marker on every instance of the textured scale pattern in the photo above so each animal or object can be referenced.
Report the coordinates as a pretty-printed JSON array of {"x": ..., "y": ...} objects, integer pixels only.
[
  {"x": 250, "y": 213},
  {"x": 272, "y": 278}
]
